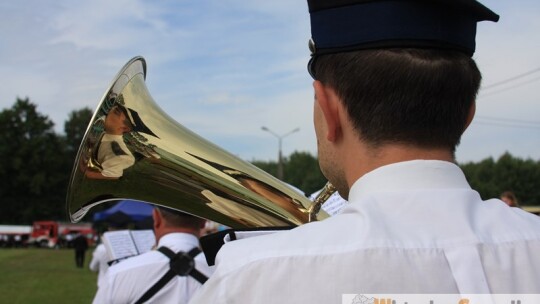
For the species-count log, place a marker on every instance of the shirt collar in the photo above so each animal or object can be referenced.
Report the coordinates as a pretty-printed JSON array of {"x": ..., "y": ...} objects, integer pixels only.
[
  {"x": 111, "y": 137},
  {"x": 410, "y": 175},
  {"x": 178, "y": 237}
]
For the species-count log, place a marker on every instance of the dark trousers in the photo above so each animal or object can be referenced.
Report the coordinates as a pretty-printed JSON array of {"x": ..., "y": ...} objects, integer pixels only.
[{"x": 79, "y": 258}]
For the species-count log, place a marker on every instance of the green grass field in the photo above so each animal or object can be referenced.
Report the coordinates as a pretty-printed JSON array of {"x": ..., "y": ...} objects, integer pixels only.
[{"x": 33, "y": 275}]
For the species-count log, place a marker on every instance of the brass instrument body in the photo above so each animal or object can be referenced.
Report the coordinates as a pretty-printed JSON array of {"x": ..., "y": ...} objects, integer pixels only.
[{"x": 175, "y": 168}]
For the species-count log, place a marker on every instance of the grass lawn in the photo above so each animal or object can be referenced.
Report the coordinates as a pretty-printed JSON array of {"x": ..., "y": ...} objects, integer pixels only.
[{"x": 34, "y": 275}]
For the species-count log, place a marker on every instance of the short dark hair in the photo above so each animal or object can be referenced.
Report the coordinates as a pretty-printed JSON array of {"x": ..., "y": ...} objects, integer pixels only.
[
  {"x": 409, "y": 96},
  {"x": 179, "y": 219},
  {"x": 511, "y": 196}
]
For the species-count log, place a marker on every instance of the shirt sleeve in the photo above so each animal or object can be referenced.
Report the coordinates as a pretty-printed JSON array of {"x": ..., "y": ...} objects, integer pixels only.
[
  {"x": 114, "y": 166},
  {"x": 98, "y": 256},
  {"x": 94, "y": 263},
  {"x": 216, "y": 290},
  {"x": 102, "y": 295},
  {"x": 213, "y": 291},
  {"x": 107, "y": 290}
]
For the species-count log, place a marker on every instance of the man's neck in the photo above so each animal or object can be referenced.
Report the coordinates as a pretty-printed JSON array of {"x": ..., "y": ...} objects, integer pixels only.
[
  {"x": 164, "y": 231},
  {"x": 369, "y": 158}
]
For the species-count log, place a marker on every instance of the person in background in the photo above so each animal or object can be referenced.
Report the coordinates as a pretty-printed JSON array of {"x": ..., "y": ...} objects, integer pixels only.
[
  {"x": 99, "y": 262},
  {"x": 17, "y": 239},
  {"x": 394, "y": 89},
  {"x": 100, "y": 257},
  {"x": 170, "y": 274},
  {"x": 80, "y": 244},
  {"x": 113, "y": 154},
  {"x": 510, "y": 199}
]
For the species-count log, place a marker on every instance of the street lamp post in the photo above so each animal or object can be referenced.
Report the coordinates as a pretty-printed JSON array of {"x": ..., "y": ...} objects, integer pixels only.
[{"x": 280, "y": 139}]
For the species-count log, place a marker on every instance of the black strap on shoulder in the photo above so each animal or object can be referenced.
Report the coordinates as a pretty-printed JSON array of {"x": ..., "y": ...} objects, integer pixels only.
[
  {"x": 181, "y": 264},
  {"x": 212, "y": 243}
]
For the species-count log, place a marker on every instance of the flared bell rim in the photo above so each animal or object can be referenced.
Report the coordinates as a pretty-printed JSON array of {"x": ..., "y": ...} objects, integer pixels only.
[{"x": 136, "y": 65}]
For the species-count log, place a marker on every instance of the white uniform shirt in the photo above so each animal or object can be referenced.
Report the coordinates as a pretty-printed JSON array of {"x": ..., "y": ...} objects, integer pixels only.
[
  {"x": 99, "y": 262},
  {"x": 114, "y": 156},
  {"x": 128, "y": 280},
  {"x": 410, "y": 227}
]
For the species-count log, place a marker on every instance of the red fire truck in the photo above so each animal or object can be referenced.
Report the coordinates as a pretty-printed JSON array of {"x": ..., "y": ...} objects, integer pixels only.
[{"x": 54, "y": 234}]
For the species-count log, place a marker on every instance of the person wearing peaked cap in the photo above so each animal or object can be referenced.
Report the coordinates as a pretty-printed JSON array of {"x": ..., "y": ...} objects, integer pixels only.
[
  {"x": 395, "y": 87},
  {"x": 348, "y": 25},
  {"x": 113, "y": 154}
]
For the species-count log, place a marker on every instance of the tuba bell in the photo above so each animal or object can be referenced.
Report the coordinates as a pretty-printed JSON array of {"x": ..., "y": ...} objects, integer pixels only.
[{"x": 133, "y": 150}]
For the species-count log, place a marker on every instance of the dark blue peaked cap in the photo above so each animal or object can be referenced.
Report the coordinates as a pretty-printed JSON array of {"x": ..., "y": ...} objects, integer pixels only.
[{"x": 347, "y": 25}]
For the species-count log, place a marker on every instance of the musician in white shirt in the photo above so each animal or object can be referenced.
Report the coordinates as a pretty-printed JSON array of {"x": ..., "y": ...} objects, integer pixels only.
[
  {"x": 395, "y": 88},
  {"x": 113, "y": 154},
  {"x": 130, "y": 279}
]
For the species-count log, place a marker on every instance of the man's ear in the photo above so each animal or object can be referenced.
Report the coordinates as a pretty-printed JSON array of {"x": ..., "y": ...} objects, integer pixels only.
[
  {"x": 328, "y": 102},
  {"x": 156, "y": 216},
  {"x": 472, "y": 112}
]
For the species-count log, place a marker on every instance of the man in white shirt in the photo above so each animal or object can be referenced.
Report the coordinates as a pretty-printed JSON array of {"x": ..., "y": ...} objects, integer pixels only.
[
  {"x": 98, "y": 263},
  {"x": 113, "y": 154},
  {"x": 395, "y": 88},
  {"x": 131, "y": 280},
  {"x": 100, "y": 258}
]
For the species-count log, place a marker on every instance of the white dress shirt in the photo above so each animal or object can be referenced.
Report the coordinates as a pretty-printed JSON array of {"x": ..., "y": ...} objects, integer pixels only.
[
  {"x": 128, "y": 280},
  {"x": 99, "y": 262},
  {"x": 411, "y": 227},
  {"x": 114, "y": 156}
]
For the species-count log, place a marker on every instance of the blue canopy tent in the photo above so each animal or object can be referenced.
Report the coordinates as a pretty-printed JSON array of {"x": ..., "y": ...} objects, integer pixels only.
[{"x": 132, "y": 211}]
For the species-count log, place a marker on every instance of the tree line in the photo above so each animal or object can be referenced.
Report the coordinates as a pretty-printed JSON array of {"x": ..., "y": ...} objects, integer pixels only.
[{"x": 36, "y": 164}]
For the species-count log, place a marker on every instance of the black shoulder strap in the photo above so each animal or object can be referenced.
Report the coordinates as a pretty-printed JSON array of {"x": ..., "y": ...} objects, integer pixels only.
[
  {"x": 181, "y": 264},
  {"x": 212, "y": 243}
]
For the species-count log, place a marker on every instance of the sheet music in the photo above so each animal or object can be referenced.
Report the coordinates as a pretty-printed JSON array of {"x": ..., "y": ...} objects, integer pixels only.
[
  {"x": 144, "y": 240},
  {"x": 119, "y": 244}
]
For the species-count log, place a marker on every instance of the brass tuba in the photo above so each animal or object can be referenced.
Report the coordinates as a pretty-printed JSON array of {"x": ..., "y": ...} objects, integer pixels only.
[{"x": 134, "y": 150}]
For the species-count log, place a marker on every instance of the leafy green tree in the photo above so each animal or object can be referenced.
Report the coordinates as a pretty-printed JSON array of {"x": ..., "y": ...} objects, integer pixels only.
[
  {"x": 269, "y": 167},
  {"x": 481, "y": 177},
  {"x": 74, "y": 129},
  {"x": 490, "y": 178},
  {"x": 302, "y": 170},
  {"x": 36, "y": 163},
  {"x": 30, "y": 159}
]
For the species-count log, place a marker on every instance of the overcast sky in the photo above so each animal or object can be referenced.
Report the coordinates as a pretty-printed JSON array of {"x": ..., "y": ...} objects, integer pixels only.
[{"x": 225, "y": 68}]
